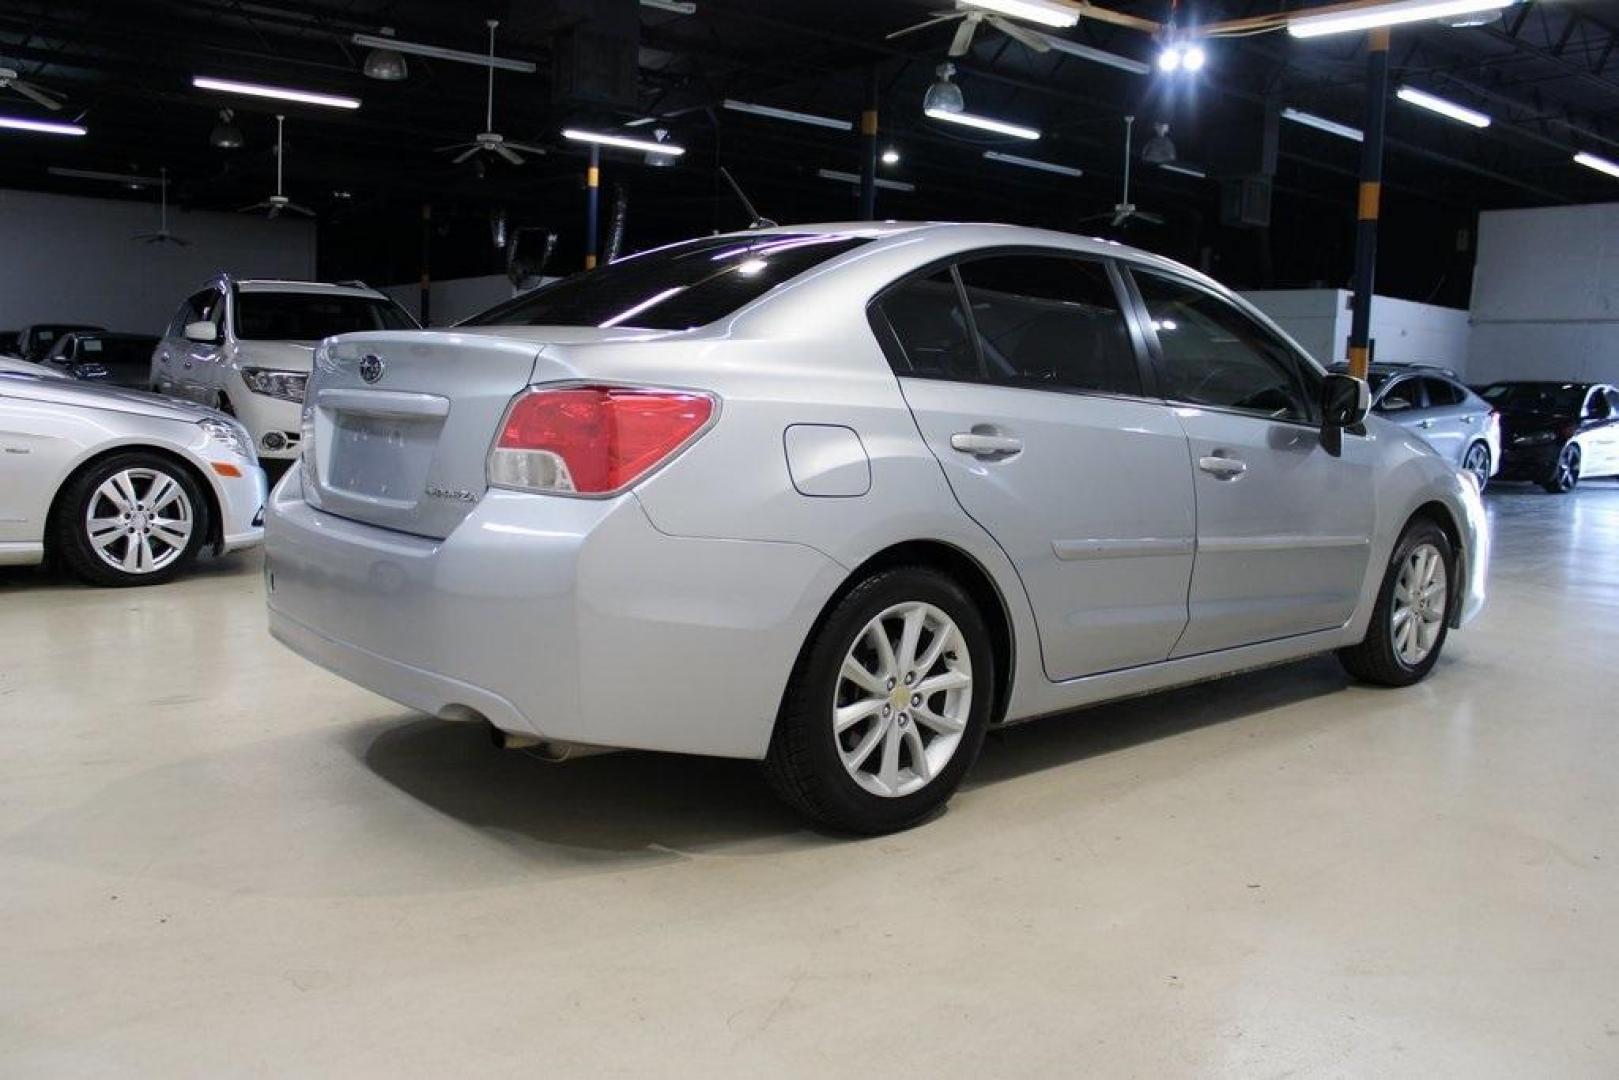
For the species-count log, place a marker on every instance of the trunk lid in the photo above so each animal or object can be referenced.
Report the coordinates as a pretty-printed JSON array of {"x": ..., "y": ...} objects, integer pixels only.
[{"x": 402, "y": 424}]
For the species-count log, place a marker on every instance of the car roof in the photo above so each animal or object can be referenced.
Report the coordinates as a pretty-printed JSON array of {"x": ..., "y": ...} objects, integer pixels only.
[{"x": 319, "y": 288}]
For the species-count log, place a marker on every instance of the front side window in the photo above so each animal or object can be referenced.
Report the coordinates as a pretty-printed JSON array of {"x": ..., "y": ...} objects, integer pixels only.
[
  {"x": 302, "y": 316},
  {"x": 672, "y": 288},
  {"x": 1403, "y": 396},
  {"x": 1214, "y": 354},
  {"x": 1050, "y": 322}
]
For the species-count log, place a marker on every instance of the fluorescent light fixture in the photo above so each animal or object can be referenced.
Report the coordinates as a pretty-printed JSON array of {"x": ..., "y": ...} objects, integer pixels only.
[
  {"x": 854, "y": 178},
  {"x": 1402, "y": 11},
  {"x": 1321, "y": 123},
  {"x": 1184, "y": 170},
  {"x": 1444, "y": 108},
  {"x": 43, "y": 127},
  {"x": 279, "y": 93},
  {"x": 645, "y": 146},
  {"x": 984, "y": 123},
  {"x": 1033, "y": 163},
  {"x": 788, "y": 114},
  {"x": 1602, "y": 165},
  {"x": 679, "y": 7},
  {"x": 129, "y": 179},
  {"x": 1044, "y": 12},
  {"x": 416, "y": 48},
  {"x": 1098, "y": 56}
]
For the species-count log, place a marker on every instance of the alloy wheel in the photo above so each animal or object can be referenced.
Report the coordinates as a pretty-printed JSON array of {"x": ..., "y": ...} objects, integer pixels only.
[
  {"x": 1477, "y": 462},
  {"x": 1567, "y": 473},
  {"x": 139, "y": 520},
  {"x": 1417, "y": 616},
  {"x": 903, "y": 699}
]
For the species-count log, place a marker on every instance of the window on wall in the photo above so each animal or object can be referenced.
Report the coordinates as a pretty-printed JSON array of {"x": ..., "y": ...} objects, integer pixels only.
[
  {"x": 1050, "y": 322},
  {"x": 1214, "y": 354}
]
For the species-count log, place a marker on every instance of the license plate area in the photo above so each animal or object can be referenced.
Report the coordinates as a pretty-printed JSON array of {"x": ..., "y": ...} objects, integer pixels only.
[{"x": 382, "y": 459}]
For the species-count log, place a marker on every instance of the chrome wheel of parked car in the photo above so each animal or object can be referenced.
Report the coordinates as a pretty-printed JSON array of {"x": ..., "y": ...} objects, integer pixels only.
[
  {"x": 1477, "y": 462},
  {"x": 1567, "y": 472},
  {"x": 904, "y": 694},
  {"x": 139, "y": 520},
  {"x": 1417, "y": 615}
]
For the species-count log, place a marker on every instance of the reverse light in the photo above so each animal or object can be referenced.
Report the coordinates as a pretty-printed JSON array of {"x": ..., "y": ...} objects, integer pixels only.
[{"x": 593, "y": 440}]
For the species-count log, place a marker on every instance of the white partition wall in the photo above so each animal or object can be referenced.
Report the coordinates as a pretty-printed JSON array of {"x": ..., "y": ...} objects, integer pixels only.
[
  {"x": 1546, "y": 294},
  {"x": 70, "y": 259},
  {"x": 1403, "y": 331}
]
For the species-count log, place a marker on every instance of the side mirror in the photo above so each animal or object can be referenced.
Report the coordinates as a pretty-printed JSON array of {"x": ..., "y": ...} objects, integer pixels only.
[
  {"x": 205, "y": 333},
  {"x": 1345, "y": 400}
]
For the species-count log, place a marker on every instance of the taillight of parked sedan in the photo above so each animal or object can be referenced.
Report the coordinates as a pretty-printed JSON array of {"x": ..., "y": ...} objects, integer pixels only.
[{"x": 593, "y": 440}]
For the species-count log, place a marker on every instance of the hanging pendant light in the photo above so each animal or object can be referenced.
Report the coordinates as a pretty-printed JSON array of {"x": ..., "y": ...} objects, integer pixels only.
[
  {"x": 386, "y": 65},
  {"x": 226, "y": 135}
]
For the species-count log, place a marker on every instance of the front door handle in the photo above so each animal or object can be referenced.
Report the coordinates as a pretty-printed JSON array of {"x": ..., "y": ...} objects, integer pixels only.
[
  {"x": 1425, "y": 423},
  {"x": 982, "y": 444},
  {"x": 1222, "y": 468}
]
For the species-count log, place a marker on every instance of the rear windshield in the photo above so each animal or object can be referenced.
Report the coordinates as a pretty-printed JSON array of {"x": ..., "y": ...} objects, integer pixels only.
[
  {"x": 297, "y": 316},
  {"x": 1554, "y": 398},
  {"x": 671, "y": 288},
  {"x": 114, "y": 351}
]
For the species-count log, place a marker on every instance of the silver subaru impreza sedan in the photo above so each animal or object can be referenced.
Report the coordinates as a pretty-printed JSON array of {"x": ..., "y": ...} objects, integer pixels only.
[{"x": 842, "y": 497}]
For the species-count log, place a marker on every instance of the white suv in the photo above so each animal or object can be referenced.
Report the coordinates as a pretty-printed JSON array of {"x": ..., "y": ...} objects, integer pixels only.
[{"x": 245, "y": 347}]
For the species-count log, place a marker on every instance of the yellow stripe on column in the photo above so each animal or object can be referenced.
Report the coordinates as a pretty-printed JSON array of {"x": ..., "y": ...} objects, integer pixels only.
[
  {"x": 593, "y": 176},
  {"x": 1357, "y": 361},
  {"x": 1371, "y": 195},
  {"x": 868, "y": 122}
]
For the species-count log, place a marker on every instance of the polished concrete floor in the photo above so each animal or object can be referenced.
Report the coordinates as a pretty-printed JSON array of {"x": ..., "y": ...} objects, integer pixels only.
[{"x": 215, "y": 859}]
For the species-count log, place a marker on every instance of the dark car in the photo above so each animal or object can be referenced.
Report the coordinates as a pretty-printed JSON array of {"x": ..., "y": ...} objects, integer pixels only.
[
  {"x": 35, "y": 342},
  {"x": 1554, "y": 433},
  {"x": 1432, "y": 404},
  {"x": 101, "y": 356}
]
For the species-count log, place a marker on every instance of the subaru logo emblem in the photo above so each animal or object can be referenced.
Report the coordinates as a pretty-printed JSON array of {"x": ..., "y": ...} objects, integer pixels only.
[{"x": 371, "y": 367}]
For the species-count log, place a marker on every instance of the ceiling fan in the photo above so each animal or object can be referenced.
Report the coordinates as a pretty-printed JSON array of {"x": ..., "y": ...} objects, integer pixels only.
[
  {"x": 1124, "y": 210},
  {"x": 163, "y": 236},
  {"x": 10, "y": 80},
  {"x": 971, "y": 20},
  {"x": 278, "y": 202},
  {"x": 489, "y": 140}
]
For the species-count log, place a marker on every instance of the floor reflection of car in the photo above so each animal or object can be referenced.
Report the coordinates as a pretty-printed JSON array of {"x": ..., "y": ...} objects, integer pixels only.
[
  {"x": 1557, "y": 433},
  {"x": 119, "y": 486},
  {"x": 1432, "y": 404},
  {"x": 842, "y": 497},
  {"x": 102, "y": 356}
]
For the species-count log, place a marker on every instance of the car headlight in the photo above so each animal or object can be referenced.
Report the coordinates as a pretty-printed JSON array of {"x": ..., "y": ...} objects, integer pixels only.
[
  {"x": 228, "y": 434},
  {"x": 286, "y": 385},
  {"x": 1534, "y": 438}
]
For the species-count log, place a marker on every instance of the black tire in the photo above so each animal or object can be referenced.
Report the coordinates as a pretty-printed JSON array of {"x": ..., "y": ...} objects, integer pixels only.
[
  {"x": 1566, "y": 473},
  {"x": 1477, "y": 461},
  {"x": 804, "y": 764},
  {"x": 1377, "y": 658},
  {"x": 70, "y": 540}
]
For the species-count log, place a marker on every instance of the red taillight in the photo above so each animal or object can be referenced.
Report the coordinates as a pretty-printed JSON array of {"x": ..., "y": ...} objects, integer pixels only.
[{"x": 592, "y": 440}]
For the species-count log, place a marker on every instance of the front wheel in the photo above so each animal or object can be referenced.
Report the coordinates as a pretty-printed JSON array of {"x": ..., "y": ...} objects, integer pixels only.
[
  {"x": 1408, "y": 626},
  {"x": 1477, "y": 462},
  {"x": 887, "y": 707},
  {"x": 135, "y": 518},
  {"x": 1566, "y": 473}
]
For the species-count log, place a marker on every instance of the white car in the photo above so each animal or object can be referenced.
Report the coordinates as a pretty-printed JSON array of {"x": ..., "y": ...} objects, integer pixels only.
[
  {"x": 122, "y": 487},
  {"x": 244, "y": 348},
  {"x": 843, "y": 497}
]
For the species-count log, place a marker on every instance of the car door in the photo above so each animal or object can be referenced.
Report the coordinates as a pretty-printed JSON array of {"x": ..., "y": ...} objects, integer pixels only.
[
  {"x": 1402, "y": 401},
  {"x": 1027, "y": 383},
  {"x": 1601, "y": 438},
  {"x": 198, "y": 377},
  {"x": 1451, "y": 427},
  {"x": 1283, "y": 527}
]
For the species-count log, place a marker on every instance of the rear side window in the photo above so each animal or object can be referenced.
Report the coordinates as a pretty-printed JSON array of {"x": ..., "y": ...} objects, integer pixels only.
[
  {"x": 930, "y": 328},
  {"x": 672, "y": 288},
  {"x": 1403, "y": 396},
  {"x": 1443, "y": 392},
  {"x": 1050, "y": 322}
]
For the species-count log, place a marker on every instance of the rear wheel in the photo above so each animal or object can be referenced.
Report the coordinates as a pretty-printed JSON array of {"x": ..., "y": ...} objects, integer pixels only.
[
  {"x": 887, "y": 707},
  {"x": 1477, "y": 462},
  {"x": 1408, "y": 627},
  {"x": 1566, "y": 473},
  {"x": 135, "y": 518}
]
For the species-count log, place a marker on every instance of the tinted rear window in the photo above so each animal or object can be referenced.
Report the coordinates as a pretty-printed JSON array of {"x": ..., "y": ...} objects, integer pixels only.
[
  {"x": 671, "y": 288},
  {"x": 1537, "y": 397}
]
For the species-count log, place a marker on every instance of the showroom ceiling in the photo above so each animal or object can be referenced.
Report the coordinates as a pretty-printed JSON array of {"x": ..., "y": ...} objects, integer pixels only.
[{"x": 1545, "y": 72}]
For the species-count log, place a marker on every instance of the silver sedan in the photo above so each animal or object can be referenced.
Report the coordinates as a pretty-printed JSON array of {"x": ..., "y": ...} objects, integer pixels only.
[
  {"x": 841, "y": 498},
  {"x": 124, "y": 488}
]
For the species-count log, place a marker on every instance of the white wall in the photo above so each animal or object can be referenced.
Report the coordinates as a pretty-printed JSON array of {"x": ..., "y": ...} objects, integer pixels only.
[
  {"x": 69, "y": 259},
  {"x": 452, "y": 299},
  {"x": 1546, "y": 294},
  {"x": 1403, "y": 331}
]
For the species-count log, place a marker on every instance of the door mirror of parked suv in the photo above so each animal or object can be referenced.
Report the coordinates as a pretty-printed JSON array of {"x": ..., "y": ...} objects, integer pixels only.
[
  {"x": 204, "y": 332},
  {"x": 1345, "y": 401}
]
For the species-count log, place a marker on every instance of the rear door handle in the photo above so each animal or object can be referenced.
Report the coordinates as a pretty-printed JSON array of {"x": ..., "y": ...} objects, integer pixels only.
[
  {"x": 1469, "y": 419},
  {"x": 980, "y": 444},
  {"x": 1424, "y": 423},
  {"x": 1223, "y": 468}
]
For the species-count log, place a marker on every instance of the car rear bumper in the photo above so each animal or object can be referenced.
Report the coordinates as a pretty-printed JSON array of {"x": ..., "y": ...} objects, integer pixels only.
[
  {"x": 1529, "y": 463},
  {"x": 571, "y": 620}
]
